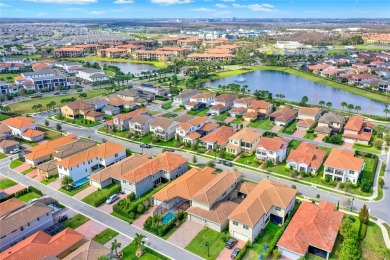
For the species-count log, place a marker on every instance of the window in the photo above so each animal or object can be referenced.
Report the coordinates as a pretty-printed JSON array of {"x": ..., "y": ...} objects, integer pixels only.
[
  {"x": 38, "y": 219},
  {"x": 351, "y": 172},
  {"x": 245, "y": 226},
  {"x": 21, "y": 228},
  {"x": 116, "y": 155},
  {"x": 278, "y": 209},
  {"x": 235, "y": 223},
  {"x": 85, "y": 170},
  {"x": 28, "y": 224}
]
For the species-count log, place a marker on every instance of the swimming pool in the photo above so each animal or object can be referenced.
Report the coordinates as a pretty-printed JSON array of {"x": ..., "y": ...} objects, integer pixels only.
[
  {"x": 168, "y": 217},
  {"x": 80, "y": 182}
]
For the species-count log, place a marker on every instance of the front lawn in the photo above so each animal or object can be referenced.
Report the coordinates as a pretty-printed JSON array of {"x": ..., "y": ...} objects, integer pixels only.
[
  {"x": 264, "y": 124},
  {"x": 248, "y": 159},
  {"x": 105, "y": 236},
  {"x": 256, "y": 249},
  {"x": 6, "y": 183},
  {"x": 79, "y": 121},
  {"x": 15, "y": 163},
  {"x": 294, "y": 144},
  {"x": 236, "y": 121},
  {"x": 214, "y": 240},
  {"x": 290, "y": 129},
  {"x": 167, "y": 106},
  {"x": 129, "y": 253},
  {"x": 373, "y": 244},
  {"x": 76, "y": 221},
  {"x": 50, "y": 180},
  {"x": 221, "y": 117},
  {"x": 73, "y": 191},
  {"x": 179, "y": 109},
  {"x": 170, "y": 115},
  {"x": 49, "y": 134},
  {"x": 366, "y": 148},
  {"x": 27, "y": 171},
  {"x": 310, "y": 136},
  {"x": 29, "y": 196},
  {"x": 202, "y": 112},
  {"x": 100, "y": 196}
]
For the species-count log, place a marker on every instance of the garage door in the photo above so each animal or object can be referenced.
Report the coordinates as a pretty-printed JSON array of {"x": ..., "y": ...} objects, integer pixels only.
[
  {"x": 240, "y": 236},
  {"x": 347, "y": 140},
  {"x": 197, "y": 219},
  {"x": 289, "y": 254}
]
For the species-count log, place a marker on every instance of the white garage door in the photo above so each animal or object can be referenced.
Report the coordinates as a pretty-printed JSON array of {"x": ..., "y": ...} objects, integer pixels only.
[
  {"x": 289, "y": 254},
  {"x": 197, "y": 219},
  {"x": 348, "y": 140},
  {"x": 240, "y": 236}
]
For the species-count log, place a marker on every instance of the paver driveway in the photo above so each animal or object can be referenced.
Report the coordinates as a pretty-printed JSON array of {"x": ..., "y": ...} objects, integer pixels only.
[
  {"x": 14, "y": 189},
  {"x": 84, "y": 193},
  {"x": 276, "y": 128},
  {"x": 347, "y": 145},
  {"x": 108, "y": 207},
  {"x": 125, "y": 241},
  {"x": 319, "y": 138},
  {"x": 185, "y": 233},
  {"x": 226, "y": 253},
  {"x": 141, "y": 220},
  {"x": 55, "y": 184},
  {"x": 299, "y": 133},
  {"x": 90, "y": 229},
  {"x": 22, "y": 167}
]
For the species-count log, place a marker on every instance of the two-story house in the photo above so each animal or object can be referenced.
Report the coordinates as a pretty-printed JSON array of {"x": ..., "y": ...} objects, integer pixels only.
[
  {"x": 342, "y": 165},
  {"x": 91, "y": 75},
  {"x": 24, "y": 128},
  {"x": 154, "y": 172},
  {"x": 184, "y": 97},
  {"x": 330, "y": 123},
  {"x": 183, "y": 129},
  {"x": 268, "y": 201},
  {"x": 244, "y": 140},
  {"x": 82, "y": 165},
  {"x": 163, "y": 128},
  {"x": 283, "y": 116},
  {"x": 273, "y": 149},
  {"x": 204, "y": 98},
  {"x": 356, "y": 130},
  {"x": 244, "y": 102},
  {"x": 140, "y": 124},
  {"x": 121, "y": 121},
  {"x": 217, "y": 138},
  {"x": 222, "y": 103},
  {"x": 306, "y": 157},
  {"x": 81, "y": 109},
  {"x": 307, "y": 117},
  {"x": 260, "y": 107}
]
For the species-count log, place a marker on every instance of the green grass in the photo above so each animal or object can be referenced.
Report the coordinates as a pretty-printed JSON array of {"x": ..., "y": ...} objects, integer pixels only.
[
  {"x": 6, "y": 183},
  {"x": 248, "y": 160},
  {"x": 179, "y": 109},
  {"x": 50, "y": 180},
  {"x": 213, "y": 238},
  {"x": 76, "y": 221},
  {"x": 33, "y": 57},
  {"x": 49, "y": 134},
  {"x": 109, "y": 73},
  {"x": 130, "y": 250},
  {"x": 290, "y": 129},
  {"x": 294, "y": 144},
  {"x": 169, "y": 115},
  {"x": 73, "y": 191},
  {"x": 29, "y": 196},
  {"x": 336, "y": 247},
  {"x": 27, "y": 171},
  {"x": 105, "y": 236},
  {"x": 255, "y": 250},
  {"x": 264, "y": 124},
  {"x": 221, "y": 117},
  {"x": 158, "y": 64},
  {"x": 202, "y": 112},
  {"x": 8, "y": 77},
  {"x": 79, "y": 122},
  {"x": 2, "y": 156},
  {"x": 310, "y": 136},
  {"x": 366, "y": 148},
  {"x": 26, "y": 106},
  {"x": 236, "y": 121},
  {"x": 167, "y": 106},
  {"x": 373, "y": 244},
  {"x": 98, "y": 195},
  {"x": 15, "y": 163},
  {"x": 3, "y": 117},
  {"x": 387, "y": 226}
]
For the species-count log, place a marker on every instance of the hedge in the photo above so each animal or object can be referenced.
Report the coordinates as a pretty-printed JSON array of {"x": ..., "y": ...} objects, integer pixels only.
[
  {"x": 98, "y": 201},
  {"x": 363, "y": 231},
  {"x": 154, "y": 253},
  {"x": 243, "y": 250},
  {"x": 162, "y": 229},
  {"x": 21, "y": 192}
]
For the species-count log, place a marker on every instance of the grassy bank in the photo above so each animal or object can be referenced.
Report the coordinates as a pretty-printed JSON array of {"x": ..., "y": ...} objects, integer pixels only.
[
  {"x": 158, "y": 64},
  {"x": 357, "y": 91}
]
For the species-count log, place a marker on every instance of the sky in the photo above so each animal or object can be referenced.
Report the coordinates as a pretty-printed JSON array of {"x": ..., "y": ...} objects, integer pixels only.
[{"x": 195, "y": 8}]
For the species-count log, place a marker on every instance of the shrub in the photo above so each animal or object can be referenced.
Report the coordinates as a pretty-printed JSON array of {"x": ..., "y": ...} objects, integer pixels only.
[
  {"x": 140, "y": 208},
  {"x": 276, "y": 254},
  {"x": 342, "y": 185},
  {"x": 363, "y": 231},
  {"x": 242, "y": 253},
  {"x": 131, "y": 196}
]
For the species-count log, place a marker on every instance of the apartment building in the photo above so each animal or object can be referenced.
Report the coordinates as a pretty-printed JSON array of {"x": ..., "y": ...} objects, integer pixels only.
[
  {"x": 68, "y": 52},
  {"x": 154, "y": 55},
  {"x": 244, "y": 141},
  {"x": 42, "y": 79},
  {"x": 111, "y": 52},
  {"x": 200, "y": 57}
]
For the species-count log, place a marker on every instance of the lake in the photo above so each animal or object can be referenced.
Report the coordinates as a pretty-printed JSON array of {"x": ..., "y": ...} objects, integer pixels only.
[
  {"x": 126, "y": 67},
  {"x": 294, "y": 88}
]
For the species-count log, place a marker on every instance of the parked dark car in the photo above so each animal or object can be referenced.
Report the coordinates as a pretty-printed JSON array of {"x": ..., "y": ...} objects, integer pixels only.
[
  {"x": 169, "y": 150},
  {"x": 227, "y": 163},
  {"x": 145, "y": 146},
  {"x": 230, "y": 243},
  {"x": 79, "y": 90},
  {"x": 62, "y": 218},
  {"x": 217, "y": 160},
  {"x": 235, "y": 252},
  {"x": 57, "y": 93}
]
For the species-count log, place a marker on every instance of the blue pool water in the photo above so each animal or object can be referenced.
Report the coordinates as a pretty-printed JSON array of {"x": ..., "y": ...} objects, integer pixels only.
[
  {"x": 168, "y": 217},
  {"x": 80, "y": 182}
]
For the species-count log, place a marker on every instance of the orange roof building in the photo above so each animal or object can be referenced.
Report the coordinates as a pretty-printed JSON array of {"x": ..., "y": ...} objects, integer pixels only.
[
  {"x": 274, "y": 149},
  {"x": 307, "y": 157},
  {"x": 218, "y": 137},
  {"x": 313, "y": 226},
  {"x": 356, "y": 130}
]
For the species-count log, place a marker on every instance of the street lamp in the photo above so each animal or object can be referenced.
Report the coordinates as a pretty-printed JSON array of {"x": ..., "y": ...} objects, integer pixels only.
[
  {"x": 352, "y": 204},
  {"x": 267, "y": 176},
  {"x": 208, "y": 249}
]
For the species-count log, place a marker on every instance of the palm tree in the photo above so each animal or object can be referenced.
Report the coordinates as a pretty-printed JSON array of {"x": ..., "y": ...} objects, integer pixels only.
[
  {"x": 343, "y": 104},
  {"x": 321, "y": 103},
  {"x": 48, "y": 107},
  {"x": 138, "y": 241},
  {"x": 67, "y": 181},
  {"x": 358, "y": 108},
  {"x": 34, "y": 107},
  {"x": 6, "y": 109},
  {"x": 387, "y": 111},
  {"x": 83, "y": 95},
  {"x": 39, "y": 106},
  {"x": 329, "y": 104},
  {"x": 115, "y": 245},
  {"x": 53, "y": 104},
  {"x": 350, "y": 107}
]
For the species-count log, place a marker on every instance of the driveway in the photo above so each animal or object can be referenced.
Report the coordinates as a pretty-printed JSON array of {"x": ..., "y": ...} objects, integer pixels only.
[
  {"x": 347, "y": 145},
  {"x": 84, "y": 193},
  {"x": 185, "y": 233},
  {"x": 32, "y": 174},
  {"x": 299, "y": 133},
  {"x": 229, "y": 119},
  {"x": 55, "y": 184},
  {"x": 319, "y": 138},
  {"x": 226, "y": 253},
  {"x": 108, "y": 207},
  {"x": 120, "y": 239},
  {"x": 276, "y": 128},
  {"x": 141, "y": 220},
  {"x": 90, "y": 229}
]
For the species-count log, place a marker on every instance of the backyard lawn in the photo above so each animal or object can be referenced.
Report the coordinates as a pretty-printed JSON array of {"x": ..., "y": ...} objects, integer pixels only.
[
  {"x": 100, "y": 196},
  {"x": 3, "y": 117},
  {"x": 49, "y": 134},
  {"x": 202, "y": 112},
  {"x": 73, "y": 191},
  {"x": 29, "y": 196},
  {"x": 236, "y": 121},
  {"x": 170, "y": 115},
  {"x": 50, "y": 180},
  {"x": 221, "y": 117},
  {"x": 366, "y": 148},
  {"x": 264, "y": 124},
  {"x": 129, "y": 254},
  {"x": 179, "y": 109},
  {"x": 213, "y": 238},
  {"x": 15, "y": 163},
  {"x": 76, "y": 221},
  {"x": 105, "y": 236},
  {"x": 8, "y": 77},
  {"x": 290, "y": 129},
  {"x": 6, "y": 183},
  {"x": 167, "y": 106},
  {"x": 255, "y": 250}
]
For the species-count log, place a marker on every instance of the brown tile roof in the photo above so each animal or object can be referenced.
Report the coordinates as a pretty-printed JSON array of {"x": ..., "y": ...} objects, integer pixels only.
[
  {"x": 309, "y": 111},
  {"x": 245, "y": 187},
  {"x": 103, "y": 151},
  {"x": 32, "y": 133},
  {"x": 247, "y": 135},
  {"x": 363, "y": 136},
  {"x": 306, "y": 122},
  {"x": 166, "y": 161},
  {"x": 19, "y": 122},
  {"x": 21, "y": 217},
  {"x": 343, "y": 159},
  {"x": 219, "y": 136},
  {"x": 284, "y": 114},
  {"x": 319, "y": 66},
  {"x": 273, "y": 144},
  {"x": 79, "y": 104},
  {"x": 218, "y": 214},
  {"x": 312, "y": 225},
  {"x": 239, "y": 110},
  {"x": 116, "y": 170},
  {"x": 259, "y": 104},
  {"x": 194, "y": 122},
  {"x": 186, "y": 185},
  {"x": 48, "y": 166},
  {"x": 48, "y": 147},
  {"x": 91, "y": 250},
  {"x": 330, "y": 118},
  {"x": 244, "y": 100},
  {"x": 323, "y": 129},
  {"x": 41, "y": 244},
  {"x": 193, "y": 135},
  {"x": 217, "y": 107},
  {"x": 203, "y": 95},
  {"x": 308, "y": 154},
  {"x": 225, "y": 98},
  {"x": 93, "y": 113},
  {"x": 4, "y": 128},
  {"x": 65, "y": 150},
  {"x": 209, "y": 126},
  {"x": 162, "y": 122},
  {"x": 116, "y": 101},
  {"x": 129, "y": 115},
  {"x": 8, "y": 143},
  {"x": 212, "y": 191},
  {"x": 10, "y": 205},
  {"x": 140, "y": 119},
  {"x": 251, "y": 114},
  {"x": 263, "y": 197},
  {"x": 355, "y": 123}
]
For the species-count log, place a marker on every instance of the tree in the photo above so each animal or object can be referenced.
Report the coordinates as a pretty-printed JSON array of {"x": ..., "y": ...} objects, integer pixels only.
[
  {"x": 350, "y": 107},
  {"x": 364, "y": 215},
  {"x": 115, "y": 245},
  {"x": 321, "y": 103},
  {"x": 358, "y": 108},
  {"x": 6, "y": 109},
  {"x": 276, "y": 254},
  {"x": 58, "y": 127},
  {"x": 138, "y": 241},
  {"x": 211, "y": 164},
  {"x": 34, "y": 107},
  {"x": 47, "y": 122},
  {"x": 39, "y": 107},
  {"x": 343, "y": 104},
  {"x": 381, "y": 182},
  {"x": 378, "y": 143},
  {"x": 83, "y": 95},
  {"x": 194, "y": 159},
  {"x": 386, "y": 111},
  {"x": 304, "y": 100},
  {"x": 329, "y": 104},
  {"x": 67, "y": 181}
]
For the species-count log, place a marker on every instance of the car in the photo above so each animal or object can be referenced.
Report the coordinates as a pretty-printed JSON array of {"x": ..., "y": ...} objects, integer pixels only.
[
  {"x": 213, "y": 114},
  {"x": 227, "y": 163},
  {"x": 57, "y": 93},
  {"x": 79, "y": 90},
  {"x": 62, "y": 218},
  {"x": 64, "y": 92},
  {"x": 169, "y": 150},
  {"x": 217, "y": 161},
  {"x": 235, "y": 252},
  {"x": 145, "y": 146},
  {"x": 15, "y": 151},
  {"x": 112, "y": 198},
  {"x": 208, "y": 114},
  {"x": 230, "y": 243},
  {"x": 102, "y": 120},
  {"x": 31, "y": 201}
]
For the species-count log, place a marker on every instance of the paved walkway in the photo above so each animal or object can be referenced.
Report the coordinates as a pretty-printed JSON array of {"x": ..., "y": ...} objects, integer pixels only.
[
  {"x": 185, "y": 233},
  {"x": 22, "y": 167},
  {"x": 14, "y": 189},
  {"x": 226, "y": 253},
  {"x": 319, "y": 138},
  {"x": 276, "y": 128},
  {"x": 347, "y": 145},
  {"x": 141, "y": 220},
  {"x": 84, "y": 193},
  {"x": 32, "y": 174},
  {"x": 125, "y": 241},
  {"x": 299, "y": 133},
  {"x": 166, "y": 248},
  {"x": 90, "y": 229}
]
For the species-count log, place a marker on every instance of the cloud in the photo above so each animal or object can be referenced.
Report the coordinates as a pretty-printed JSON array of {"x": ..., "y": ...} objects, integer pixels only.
[
  {"x": 228, "y": 1},
  {"x": 309, "y": 11},
  {"x": 202, "y": 9},
  {"x": 95, "y": 12},
  {"x": 42, "y": 14},
  {"x": 221, "y": 5},
  {"x": 123, "y": 2},
  {"x": 171, "y": 2},
  {"x": 74, "y": 2},
  {"x": 257, "y": 7},
  {"x": 3, "y": 5}
]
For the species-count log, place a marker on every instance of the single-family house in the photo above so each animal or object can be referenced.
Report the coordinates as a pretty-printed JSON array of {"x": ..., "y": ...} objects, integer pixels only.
[
  {"x": 91, "y": 75},
  {"x": 261, "y": 107},
  {"x": 97, "y": 103},
  {"x": 91, "y": 250},
  {"x": 204, "y": 98},
  {"x": 313, "y": 229},
  {"x": 140, "y": 124},
  {"x": 222, "y": 103},
  {"x": 237, "y": 111},
  {"x": 121, "y": 121},
  {"x": 356, "y": 130},
  {"x": 111, "y": 110},
  {"x": 274, "y": 149},
  {"x": 318, "y": 68},
  {"x": 244, "y": 102},
  {"x": 7, "y": 146},
  {"x": 219, "y": 137},
  {"x": 156, "y": 90},
  {"x": 191, "y": 138},
  {"x": 283, "y": 116},
  {"x": 185, "y": 118},
  {"x": 24, "y": 128},
  {"x": 307, "y": 117},
  {"x": 163, "y": 128},
  {"x": 342, "y": 165},
  {"x": 194, "y": 125},
  {"x": 330, "y": 123},
  {"x": 81, "y": 109},
  {"x": 267, "y": 201},
  {"x": 306, "y": 157},
  {"x": 5, "y": 131},
  {"x": 244, "y": 140},
  {"x": 184, "y": 97},
  {"x": 208, "y": 128}
]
